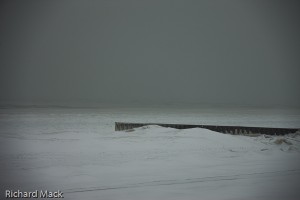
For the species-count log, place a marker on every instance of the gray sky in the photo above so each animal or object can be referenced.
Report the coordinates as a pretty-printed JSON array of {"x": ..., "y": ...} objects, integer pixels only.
[{"x": 225, "y": 52}]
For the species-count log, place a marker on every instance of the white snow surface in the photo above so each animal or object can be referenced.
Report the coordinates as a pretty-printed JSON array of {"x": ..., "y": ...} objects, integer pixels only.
[{"x": 78, "y": 152}]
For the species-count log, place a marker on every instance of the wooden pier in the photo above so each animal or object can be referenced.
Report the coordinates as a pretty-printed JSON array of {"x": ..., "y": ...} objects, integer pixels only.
[{"x": 120, "y": 126}]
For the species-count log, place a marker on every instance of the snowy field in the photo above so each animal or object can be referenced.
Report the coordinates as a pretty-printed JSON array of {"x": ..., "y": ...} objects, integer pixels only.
[{"x": 78, "y": 152}]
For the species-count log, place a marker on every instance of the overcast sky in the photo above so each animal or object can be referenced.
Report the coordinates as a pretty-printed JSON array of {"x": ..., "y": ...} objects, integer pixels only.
[{"x": 225, "y": 52}]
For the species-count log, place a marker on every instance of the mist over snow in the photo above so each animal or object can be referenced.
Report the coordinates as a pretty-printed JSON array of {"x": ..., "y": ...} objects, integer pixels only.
[
  {"x": 70, "y": 69},
  {"x": 206, "y": 52}
]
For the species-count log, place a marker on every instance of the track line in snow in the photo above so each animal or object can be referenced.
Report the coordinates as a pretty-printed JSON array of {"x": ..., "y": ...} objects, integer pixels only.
[{"x": 187, "y": 181}]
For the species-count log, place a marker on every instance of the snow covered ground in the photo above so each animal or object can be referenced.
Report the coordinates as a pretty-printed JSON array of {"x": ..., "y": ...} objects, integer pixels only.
[{"x": 78, "y": 152}]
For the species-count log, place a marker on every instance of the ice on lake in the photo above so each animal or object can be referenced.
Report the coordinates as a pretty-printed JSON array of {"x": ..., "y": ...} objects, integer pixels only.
[{"x": 78, "y": 152}]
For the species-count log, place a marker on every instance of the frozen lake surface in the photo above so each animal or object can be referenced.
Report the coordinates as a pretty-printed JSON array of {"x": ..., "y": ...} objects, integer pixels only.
[{"x": 78, "y": 152}]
